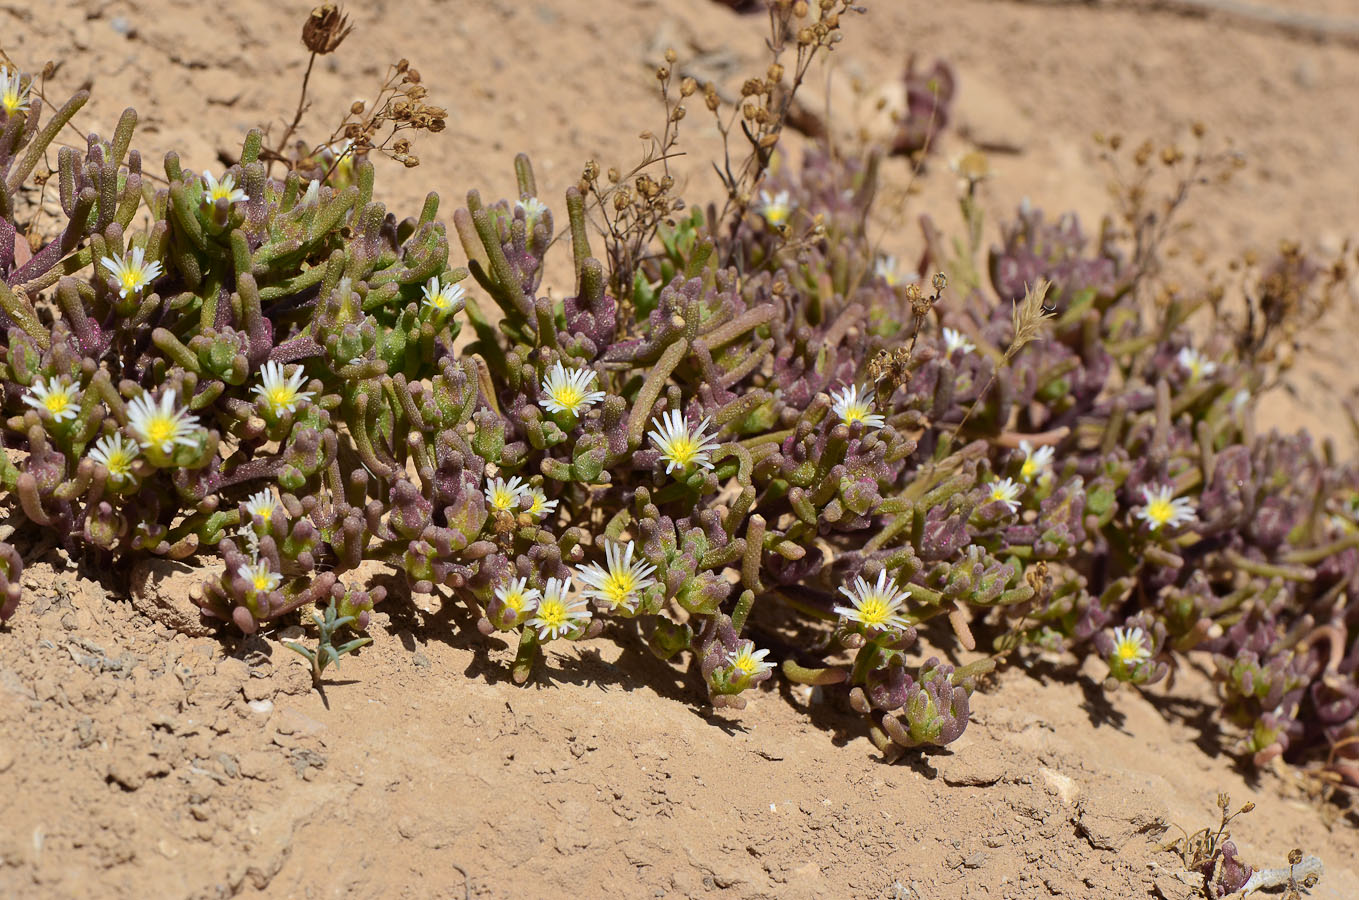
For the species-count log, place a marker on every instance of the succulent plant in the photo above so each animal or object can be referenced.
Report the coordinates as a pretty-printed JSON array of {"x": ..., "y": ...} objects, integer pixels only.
[{"x": 776, "y": 426}]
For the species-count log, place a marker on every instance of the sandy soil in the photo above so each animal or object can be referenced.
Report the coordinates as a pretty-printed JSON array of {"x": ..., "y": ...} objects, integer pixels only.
[{"x": 135, "y": 761}]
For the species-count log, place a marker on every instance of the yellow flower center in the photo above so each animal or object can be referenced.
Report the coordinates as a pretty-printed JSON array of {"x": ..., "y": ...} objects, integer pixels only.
[
  {"x": 57, "y": 401},
  {"x": 11, "y": 100},
  {"x": 619, "y": 586},
  {"x": 131, "y": 279},
  {"x": 855, "y": 413},
  {"x": 503, "y": 498},
  {"x": 119, "y": 463},
  {"x": 263, "y": 581},
  {"x": 683, "y": 450},
  {"x": 1129, "y": 649},
  {"x": 439, "y": 301},
  {"x": 281, "y": 396},
  {"x": 552, "y": 613},
  {"x": 569, "y": 396},
  {"x": 745, "y": 663},
  {"x": 160, "y": 430},
  {"x": 1160, "y": 511},
  {"x": 776, "y": 214},
  {"x": 1028, "y": 470},
  {"x": 515, "y": 601},
  {"x": 874, "y": 611},
  {"x": 999, "y": 494}
]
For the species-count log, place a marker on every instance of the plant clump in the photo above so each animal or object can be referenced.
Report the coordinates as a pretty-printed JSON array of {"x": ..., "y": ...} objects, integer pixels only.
[{"x": 762, "y": 447}]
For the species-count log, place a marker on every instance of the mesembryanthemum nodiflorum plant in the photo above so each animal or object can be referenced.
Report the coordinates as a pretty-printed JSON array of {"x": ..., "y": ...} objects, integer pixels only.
[{"x": 777, "y": 445}]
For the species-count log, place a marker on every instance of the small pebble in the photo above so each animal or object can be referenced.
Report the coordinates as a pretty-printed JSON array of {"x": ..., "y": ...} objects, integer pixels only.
[{"x": 263, "y": 707}]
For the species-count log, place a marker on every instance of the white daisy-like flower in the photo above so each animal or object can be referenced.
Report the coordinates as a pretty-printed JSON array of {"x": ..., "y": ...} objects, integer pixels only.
[
  {"x": 214, "y": 190},
  {"x": 13, "y": 92},
  {"x": 533, "y": 209},
  {"x": 876, "y": 606},
  {"x": 850, "y": 407},
  {"x": 57, "y": 397},
  {"x": 558, "y": 614},
  {"x": 263, "y": 505},
  {"x": 541, "y": 507},
  {"x": 1037, "y": 460},
  {"x": 443, "y": 297},
  {"x": 568, "y": 390},
  {"x": 749, "y": 662},
  {"x": 1006, "y": 491},
  {"x": 680, "y": 445},
  {"x": 1130, "y": 646},
  {"x": 259, "y": 576},
  {"x": 116, "y": 454},
  {"x": 132, "y": 271},
  {"x": 621, "y": 585},
  {"x": 886, "y": 269},
  {"x": 776, "y": 208},
  {"x": 161, "y": 425},
  {"x": 343, "y": 151},
  {"x": 1161, "y": 507},
  {"x": 1195, "y": 363},
  {"x": 504, "y": 495},
  {"x": 281, "y": 394},
  {"x": 955, "y": 340},
  {"x": 518, "y": 596}
]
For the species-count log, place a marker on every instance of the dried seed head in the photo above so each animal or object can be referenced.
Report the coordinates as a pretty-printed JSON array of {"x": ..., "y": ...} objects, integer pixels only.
[
  {"x": 688, "y": 86},
  {"x": 973, "y": 166},
  {"x": 940, "y": 281},
  {"x": 671, "y": 55},
  {"x": 1294, "y": 856},
  {"x": 800, "y": 9},
  {"x": 356, "y": 108},
  {"x": 920, "y": 304},
  {"x": 1028, "y": 316},
  {"x": 1143, "y": 154},
  {"x": 325, "y": 29}
]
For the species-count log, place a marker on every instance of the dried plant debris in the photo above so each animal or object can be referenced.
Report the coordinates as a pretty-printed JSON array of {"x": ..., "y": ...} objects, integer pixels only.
[{"x": 1211, "y": 855}]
